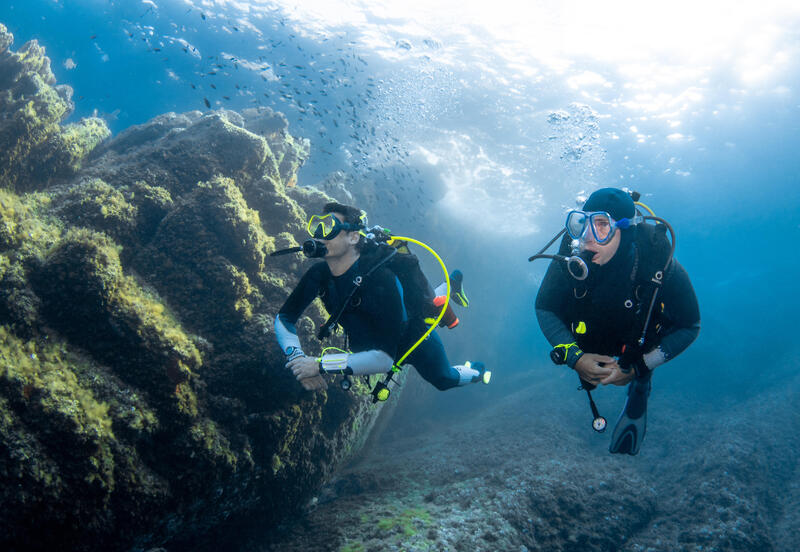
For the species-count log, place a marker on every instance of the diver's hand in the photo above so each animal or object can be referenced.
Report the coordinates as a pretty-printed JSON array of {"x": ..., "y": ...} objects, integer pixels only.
[
  {"x": 594, "y": 368},
  {"x": 304, "y": 367},
  {"x": 618, "y": 377},
  {"x": 314, "y": 383}
]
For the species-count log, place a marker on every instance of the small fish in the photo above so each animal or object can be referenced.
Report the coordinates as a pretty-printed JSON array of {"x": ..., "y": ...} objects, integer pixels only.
[
  {"x": 203, "y": 16},
  {"x": 227, "y": 97},
  {"x": 214, "y": 87},
  {"x": 208, "y": 104},
  {"x": 292, "y": 182},
  {"x": 92, "y": 37}
]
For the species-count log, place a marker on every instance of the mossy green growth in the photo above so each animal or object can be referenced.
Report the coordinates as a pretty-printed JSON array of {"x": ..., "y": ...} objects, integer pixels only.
[
  {"x": 95, "y": 204},
  {"x": 62, "y": 154},
  {"x": 237, "y": 226},
  {"x": 32, "y": 111},
  {"x": 22, "y": 225},
  {"x": 152, "y": 203},
  {"x": 42, "y": 391},
  {"x": 77, "y": 140},
  {"x": 286, "y": 426},
  {"x": 86, "y": 292},
  {"x": 408, "y": 522},
  {"x": 207, "y": 435},
  {"x": 353, "y": 547}
]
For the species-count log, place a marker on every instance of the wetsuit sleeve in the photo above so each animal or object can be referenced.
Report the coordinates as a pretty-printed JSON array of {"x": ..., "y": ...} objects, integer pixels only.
[
  {"x": 551, "y": 309},
  {"x": 302, "y": 296},
  {"x": 681, "y": 318},
  {"x": 370, "y": 362}
]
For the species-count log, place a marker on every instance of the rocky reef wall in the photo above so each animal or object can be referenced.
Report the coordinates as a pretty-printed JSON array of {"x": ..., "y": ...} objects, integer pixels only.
[{"x": 143, "y": 400}]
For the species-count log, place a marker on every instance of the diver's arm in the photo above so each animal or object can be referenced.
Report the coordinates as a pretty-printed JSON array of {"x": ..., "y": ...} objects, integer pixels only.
[
  {"x": 557, "y": 333},
  {"x": 298, "y": 301},
  {"x": 357, "y": 364},
  {"x": 682, "y": 314},
  {"x": 549, "y": 302},
  {"x": 286, "y": 333}
]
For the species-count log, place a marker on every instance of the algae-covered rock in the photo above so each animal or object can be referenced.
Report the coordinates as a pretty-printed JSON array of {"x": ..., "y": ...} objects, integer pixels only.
[
  {"x": 143, "y": 398},
  {"x": 177, "y": 151},
  {"x": 34, "y": 148}
]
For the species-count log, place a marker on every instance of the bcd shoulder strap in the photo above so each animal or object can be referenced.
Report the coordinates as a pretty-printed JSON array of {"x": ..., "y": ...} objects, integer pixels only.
[{"x": 653, "y": 251}]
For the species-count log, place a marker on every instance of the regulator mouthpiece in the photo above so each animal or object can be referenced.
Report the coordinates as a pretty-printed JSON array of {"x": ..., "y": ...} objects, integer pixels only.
[
  {"x": 577, "y": 267},
  {"x": 314, "y": 249}
]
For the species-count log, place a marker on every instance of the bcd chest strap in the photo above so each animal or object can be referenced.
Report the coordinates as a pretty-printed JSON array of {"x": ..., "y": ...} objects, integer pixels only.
[{"x": 325, "y": 329}]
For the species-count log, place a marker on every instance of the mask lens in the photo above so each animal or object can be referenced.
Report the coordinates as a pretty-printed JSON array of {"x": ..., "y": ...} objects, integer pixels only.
[
  {"x": 321, "y": 227},
  {"x": 576, "y": 224},
  {"x": 602, "y": 227}
]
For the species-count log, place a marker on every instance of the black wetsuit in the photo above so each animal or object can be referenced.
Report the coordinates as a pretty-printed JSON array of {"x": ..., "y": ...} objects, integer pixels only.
[
  {"x": 606, "y": 303},
  {"x": 375, "y": 320}
]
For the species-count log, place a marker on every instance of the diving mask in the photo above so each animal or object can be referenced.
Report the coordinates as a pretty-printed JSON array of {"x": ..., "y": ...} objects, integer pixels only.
[
  {"x": 598, "y": 225},
  {"x": 327, "y": 227}
]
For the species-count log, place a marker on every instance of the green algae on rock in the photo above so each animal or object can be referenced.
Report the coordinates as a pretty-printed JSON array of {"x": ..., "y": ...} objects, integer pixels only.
[
  {"x": 143, "y": 400},
  {"x": 32, "y": 109}
]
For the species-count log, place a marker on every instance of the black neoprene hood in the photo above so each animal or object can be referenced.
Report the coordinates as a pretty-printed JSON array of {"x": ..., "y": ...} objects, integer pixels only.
[{"x": 613, "y": 201}]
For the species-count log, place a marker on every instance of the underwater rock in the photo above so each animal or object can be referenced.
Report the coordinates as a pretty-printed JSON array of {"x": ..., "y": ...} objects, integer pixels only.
[
  {"x": 335, "y": 185},
  {"x": 509, "y": 478},
  {"x": 34, "y": 148},
  {"x": 175, "y": 151},
  {"x": 143, "y": 399},
  {"x": 6, "y": 39}
]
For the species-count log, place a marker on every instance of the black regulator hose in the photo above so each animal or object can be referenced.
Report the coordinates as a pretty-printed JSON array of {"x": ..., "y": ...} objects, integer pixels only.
[
  {"x": 576, "y": 266},
  {"x": 312, "y": 249}
]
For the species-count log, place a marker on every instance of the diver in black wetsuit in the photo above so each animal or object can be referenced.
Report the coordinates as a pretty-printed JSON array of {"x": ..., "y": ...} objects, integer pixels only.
[
  {"x": 376, "y": 321},
  {"x": 598, "y": 325}
]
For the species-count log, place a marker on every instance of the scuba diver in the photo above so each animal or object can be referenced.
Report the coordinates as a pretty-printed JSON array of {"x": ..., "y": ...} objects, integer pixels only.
[
  {"x": 615, "y": 304},
  {"x": 373, "y": 287}
]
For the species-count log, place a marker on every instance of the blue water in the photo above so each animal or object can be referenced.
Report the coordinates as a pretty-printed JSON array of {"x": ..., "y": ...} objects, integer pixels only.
[{"x": 493, "y": 137}]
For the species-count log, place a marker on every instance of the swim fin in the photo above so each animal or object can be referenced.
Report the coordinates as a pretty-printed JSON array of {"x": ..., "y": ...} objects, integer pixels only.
[
  {"x": 632, "y": 424},
  {"x": 457, "y": 293}
]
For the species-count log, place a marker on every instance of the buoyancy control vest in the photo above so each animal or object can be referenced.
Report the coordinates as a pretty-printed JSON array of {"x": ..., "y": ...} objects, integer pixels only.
[
  {"x": 418, "y": 295},
  {"x": 627, "y": 321}
]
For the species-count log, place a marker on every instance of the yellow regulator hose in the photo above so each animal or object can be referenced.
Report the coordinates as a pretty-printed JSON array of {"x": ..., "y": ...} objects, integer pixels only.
[{"x": 396, "y": 366}]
